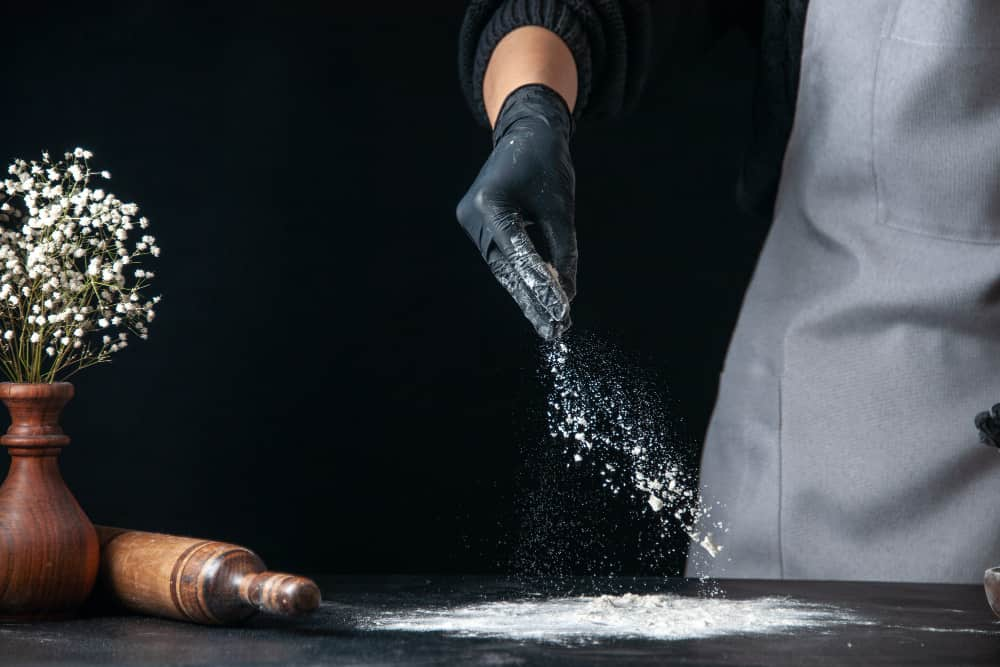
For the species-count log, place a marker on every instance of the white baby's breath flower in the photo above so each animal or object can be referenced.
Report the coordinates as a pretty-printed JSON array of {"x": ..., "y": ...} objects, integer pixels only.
[{"x": 65, "y": 261}]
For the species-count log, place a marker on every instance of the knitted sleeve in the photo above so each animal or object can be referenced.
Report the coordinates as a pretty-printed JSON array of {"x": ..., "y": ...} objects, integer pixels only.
[
  {"x": 777, "y": 82},
  {"x": 610, "y": 41}
]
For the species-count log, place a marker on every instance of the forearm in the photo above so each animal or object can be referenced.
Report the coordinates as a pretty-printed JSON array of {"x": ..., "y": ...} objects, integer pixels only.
[{"x": 530, "y": 54}]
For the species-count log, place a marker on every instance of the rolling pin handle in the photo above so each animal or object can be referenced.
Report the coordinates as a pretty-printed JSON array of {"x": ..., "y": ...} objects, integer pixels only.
[{"x": 279, "y": 593}]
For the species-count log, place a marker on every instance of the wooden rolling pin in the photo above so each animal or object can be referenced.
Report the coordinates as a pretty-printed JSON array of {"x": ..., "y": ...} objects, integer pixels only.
[{"x": 195, "y": 580}]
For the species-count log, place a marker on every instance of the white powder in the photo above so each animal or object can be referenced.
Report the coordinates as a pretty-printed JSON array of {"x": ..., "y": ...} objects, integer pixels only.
[
  {"x": 588, "y": 619},
  {"x": 708, "y": 545},
  {"x": 599, "y": 416}
]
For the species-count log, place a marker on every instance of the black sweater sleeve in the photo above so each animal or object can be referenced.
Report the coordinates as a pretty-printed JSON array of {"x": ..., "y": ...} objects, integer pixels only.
[{"x": 611, "y": 42}]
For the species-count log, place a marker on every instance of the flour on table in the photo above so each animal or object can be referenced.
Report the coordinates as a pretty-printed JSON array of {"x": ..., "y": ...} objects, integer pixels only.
[{"x": 589, "y": 619}]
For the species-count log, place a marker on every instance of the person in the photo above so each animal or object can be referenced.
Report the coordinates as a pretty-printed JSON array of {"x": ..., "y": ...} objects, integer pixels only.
[{"x": 841, "y": 446}]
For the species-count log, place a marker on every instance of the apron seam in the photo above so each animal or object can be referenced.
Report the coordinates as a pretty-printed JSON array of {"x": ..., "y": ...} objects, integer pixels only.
[
  {"x": 781, "y": 550},
  {"x": 888, "y": 22}
]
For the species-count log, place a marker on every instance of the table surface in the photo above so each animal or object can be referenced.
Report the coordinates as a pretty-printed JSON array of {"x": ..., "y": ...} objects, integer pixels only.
[{"x": 908, "y": 624}]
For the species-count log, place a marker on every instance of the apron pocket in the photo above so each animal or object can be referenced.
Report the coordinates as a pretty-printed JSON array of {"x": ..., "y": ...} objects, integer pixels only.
[{"x": 936, "y": 138}]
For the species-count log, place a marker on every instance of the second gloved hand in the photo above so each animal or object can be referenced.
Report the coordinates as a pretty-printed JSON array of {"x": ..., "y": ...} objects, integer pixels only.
[{"x": 519, "y": 210}]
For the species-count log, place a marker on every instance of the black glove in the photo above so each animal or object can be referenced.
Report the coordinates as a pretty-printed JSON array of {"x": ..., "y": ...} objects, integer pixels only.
[
  {"x": 988, "y": 424},
  {"x": 527, "y": 187}
]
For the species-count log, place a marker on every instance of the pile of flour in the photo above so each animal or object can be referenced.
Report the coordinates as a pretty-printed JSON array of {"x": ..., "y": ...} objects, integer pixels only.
[
  {"x": 588, "y": 619},
  {"x": 602, "y": 422}
]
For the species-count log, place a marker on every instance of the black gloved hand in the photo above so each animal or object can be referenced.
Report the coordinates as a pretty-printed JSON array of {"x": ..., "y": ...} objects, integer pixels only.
[
  {"x": 527, "y": 185},
  {"x": 988, "y": 424}
]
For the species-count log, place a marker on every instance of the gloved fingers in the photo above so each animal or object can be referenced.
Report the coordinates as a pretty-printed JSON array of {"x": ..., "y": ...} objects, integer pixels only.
[
  {"x": 567, "y": 279},
  {"x": 564, "y": 260},
  {"x": 537, "y": 275},
  {"x": 526, "y": 299},
  {"x": 559, "y": 235}
]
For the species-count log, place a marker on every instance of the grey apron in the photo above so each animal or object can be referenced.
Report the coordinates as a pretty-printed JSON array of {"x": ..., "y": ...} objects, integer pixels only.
[{"x": 842, "y": 445}]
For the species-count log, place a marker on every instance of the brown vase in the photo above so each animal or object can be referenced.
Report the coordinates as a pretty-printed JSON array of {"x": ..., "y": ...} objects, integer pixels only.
[{"x": 48, "y": 547}]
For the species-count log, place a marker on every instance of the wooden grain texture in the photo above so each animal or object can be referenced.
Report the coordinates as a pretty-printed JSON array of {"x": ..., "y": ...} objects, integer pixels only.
[
  {"x": 48, "y": 547},
  {"x": 189, "y": 579}
]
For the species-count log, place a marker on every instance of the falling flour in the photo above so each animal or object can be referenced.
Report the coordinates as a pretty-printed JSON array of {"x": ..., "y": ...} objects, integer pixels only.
[
  {"x": 604, "y": 423},
  {"x": 588, "y": 619}
]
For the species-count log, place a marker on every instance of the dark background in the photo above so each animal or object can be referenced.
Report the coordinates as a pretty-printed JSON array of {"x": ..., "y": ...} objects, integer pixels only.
[{"x": 334, "y": 379}]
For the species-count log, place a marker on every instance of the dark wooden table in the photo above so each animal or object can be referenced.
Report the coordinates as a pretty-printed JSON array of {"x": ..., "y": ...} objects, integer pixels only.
[{"x": 909, "y": 624}]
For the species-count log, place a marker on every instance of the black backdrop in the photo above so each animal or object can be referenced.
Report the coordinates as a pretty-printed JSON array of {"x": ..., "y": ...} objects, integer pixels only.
[{"x": 334, "y": 379}]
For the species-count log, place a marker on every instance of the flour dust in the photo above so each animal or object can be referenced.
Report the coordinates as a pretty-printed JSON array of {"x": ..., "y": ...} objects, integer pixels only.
[
  {"x": 576, "y": 620},
  {"x": 607, "y": 422}
]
